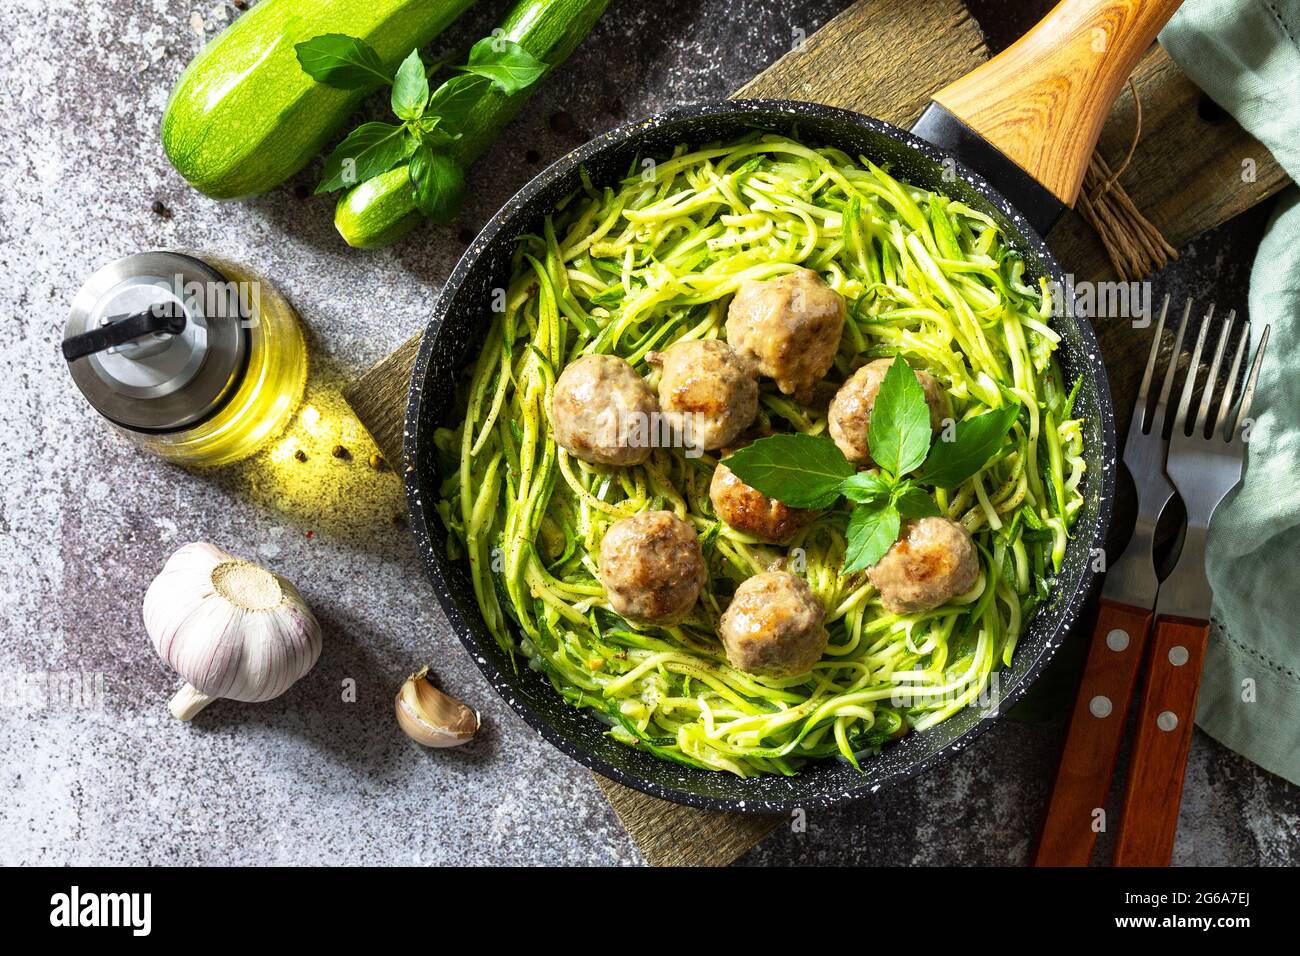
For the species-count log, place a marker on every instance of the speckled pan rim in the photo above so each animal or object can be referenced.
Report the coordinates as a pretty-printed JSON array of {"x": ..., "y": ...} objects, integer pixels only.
[{"x": 505, "y": 218}]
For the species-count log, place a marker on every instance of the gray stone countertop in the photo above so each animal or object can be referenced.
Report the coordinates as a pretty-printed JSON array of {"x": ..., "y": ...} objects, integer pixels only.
[{"x": 86, "y": 520}]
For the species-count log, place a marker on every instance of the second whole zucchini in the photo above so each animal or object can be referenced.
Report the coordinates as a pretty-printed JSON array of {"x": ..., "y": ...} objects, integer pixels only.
[
  {"x": 381, "y": 210},
  {"x": 244, "y": 117}
]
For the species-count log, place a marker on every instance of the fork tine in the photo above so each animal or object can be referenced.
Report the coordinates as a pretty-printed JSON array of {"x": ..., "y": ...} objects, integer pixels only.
[
  {"x": 1230, "y": 386},
  {"x": 1249, "y": 393},
  {"x": 1143, "y": 417},
  {"x": 1189, "y": 383},
  {"x": 1167, "y": 387},
  {"x": 1212, "y": 381}
]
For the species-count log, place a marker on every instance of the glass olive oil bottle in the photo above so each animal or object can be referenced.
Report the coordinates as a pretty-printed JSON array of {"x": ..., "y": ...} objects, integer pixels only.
[{"x": 194, "y": 359}]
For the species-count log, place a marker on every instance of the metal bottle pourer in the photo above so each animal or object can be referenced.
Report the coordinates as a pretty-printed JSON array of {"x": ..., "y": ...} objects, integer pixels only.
[
  {"x": 157, "y": 342},
  {"x": 161, "y": 319}
]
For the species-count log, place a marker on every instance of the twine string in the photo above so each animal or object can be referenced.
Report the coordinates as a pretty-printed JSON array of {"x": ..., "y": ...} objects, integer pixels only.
[{"x": 1135, "y": 247}]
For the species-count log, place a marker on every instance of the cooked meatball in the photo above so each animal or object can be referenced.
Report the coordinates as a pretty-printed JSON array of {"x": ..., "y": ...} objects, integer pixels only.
[
  {"x": 773, "y": 626},
  {"x": 850, "y": 412},
  {"x": 789, "y": 327},
  {"x": 652, "y": 567},
  {"x": 932, "y": 561},
  {"x": 603, "y": 411},
  {"x": 707, "y": 392},
  {"x": 749, "y": 510}
]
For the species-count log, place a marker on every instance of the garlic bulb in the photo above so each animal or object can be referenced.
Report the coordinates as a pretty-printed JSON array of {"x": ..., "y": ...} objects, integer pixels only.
[
  {"x": 230, "y": 628},
  {"x": 430, "y": 717}
]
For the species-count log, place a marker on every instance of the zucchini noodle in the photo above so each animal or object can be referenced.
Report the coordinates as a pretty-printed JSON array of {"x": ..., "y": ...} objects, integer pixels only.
[{"x": 630, "y": 269}]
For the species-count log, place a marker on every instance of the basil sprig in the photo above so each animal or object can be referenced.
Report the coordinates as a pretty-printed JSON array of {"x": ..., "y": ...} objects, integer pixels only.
[
  {"x": 343, "y": 62},
  {"x": 439, "y": 183},
  {"x": 900, "y": 421},
  {"x": 975, "y": 441},
  {"x": 370, "y": 149},
  {"x": 410, "y": 88},
  {"x": 498, "y": 60},
  {"x": 430, "y": 119},
  {"x": 801, "y": 471},
  {"x": 804, "y": 471}
]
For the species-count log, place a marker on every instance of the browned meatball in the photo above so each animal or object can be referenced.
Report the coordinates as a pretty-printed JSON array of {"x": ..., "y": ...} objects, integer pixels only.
[
  {"x": 707, "y": 392},
  {"x": 603, "y": 411},
  {"x": 773, "y": 626},
  {"x": 850, "y": 412},
  {"x": 652, "y": 567},
  {"x": 789, "y": 327},
  {"x": 933, "y": 561},
  {"x": 749, "y": 510}
]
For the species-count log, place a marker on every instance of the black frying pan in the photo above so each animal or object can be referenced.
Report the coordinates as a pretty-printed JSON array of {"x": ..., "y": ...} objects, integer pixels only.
[{"x": 1029, "y": 119}]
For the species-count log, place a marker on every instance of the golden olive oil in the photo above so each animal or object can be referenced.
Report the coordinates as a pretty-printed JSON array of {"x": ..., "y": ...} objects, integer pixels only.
[
  {"x": 266, "y": 398},
  {"x": 193, "y": 358}
]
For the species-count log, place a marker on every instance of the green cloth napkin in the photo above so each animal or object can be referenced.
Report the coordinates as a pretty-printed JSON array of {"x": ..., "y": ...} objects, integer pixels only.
[{"x": 1245, "y": 55}]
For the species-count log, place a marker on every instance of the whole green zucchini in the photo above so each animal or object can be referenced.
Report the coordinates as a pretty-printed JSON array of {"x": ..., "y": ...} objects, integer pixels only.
[
  {"x": 244, "y": 116},
  {"x": 382, "y": 210}
]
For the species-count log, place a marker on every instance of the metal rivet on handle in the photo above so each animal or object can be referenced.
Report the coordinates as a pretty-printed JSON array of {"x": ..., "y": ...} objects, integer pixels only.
[
  {"x": 1117, "y": 640},
  {"x": 1100, "y": 706},
  {"x": 1178, "y": 655},
  {"x": 1167, "y": 720}
]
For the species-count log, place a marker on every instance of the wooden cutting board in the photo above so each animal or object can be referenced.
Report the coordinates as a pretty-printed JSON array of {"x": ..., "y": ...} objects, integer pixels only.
[{"x": 884, "y": 58}]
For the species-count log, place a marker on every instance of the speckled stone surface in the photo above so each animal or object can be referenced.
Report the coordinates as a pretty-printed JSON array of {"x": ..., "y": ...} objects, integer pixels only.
[{"x": 95, "y": 770}]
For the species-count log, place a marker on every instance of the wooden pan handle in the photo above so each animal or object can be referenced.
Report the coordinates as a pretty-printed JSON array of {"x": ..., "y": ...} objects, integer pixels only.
[
  {"x": 1043, "y": 100},
  {"x": 1149, "y": 817},
  {"x": 1096, "y": 729}
]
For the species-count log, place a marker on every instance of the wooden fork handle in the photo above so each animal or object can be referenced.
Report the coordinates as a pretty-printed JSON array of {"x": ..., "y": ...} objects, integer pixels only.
[
  {"x": 1149, "y": 818},
  {"x": 1076, "y": 813}
]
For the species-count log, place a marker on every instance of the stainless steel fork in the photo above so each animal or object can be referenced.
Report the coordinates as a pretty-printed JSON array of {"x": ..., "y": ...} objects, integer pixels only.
[
  {"x": 1075, "y": 813},
  {"x": 1204, "y": 463}
]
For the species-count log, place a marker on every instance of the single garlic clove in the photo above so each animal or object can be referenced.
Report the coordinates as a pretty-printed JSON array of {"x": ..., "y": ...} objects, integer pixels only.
[{"x": 430, "y": 717}]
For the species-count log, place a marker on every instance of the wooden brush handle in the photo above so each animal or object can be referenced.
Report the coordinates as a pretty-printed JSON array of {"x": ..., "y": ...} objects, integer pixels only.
[
  {"x": 1043, "y": 100},
  {"x": 1078, "y": 798},
  {"x": 1149, "y": 817}
]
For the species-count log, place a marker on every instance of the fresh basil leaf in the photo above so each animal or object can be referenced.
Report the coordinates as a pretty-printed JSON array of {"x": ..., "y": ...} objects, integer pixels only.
[
  {"x": 873, "y": 529},
  {"x": 437, "y": 138},
  {"x": 900, "y": 421},
  {"x": 866, "y": 486},
  {"x": 913, "y": 501},
  {"x": 410, "y": 88},
  {"x": 432, "y": 133},
  {"x": 342, "y": 61},
  {"x": 368, "y": 151},
  {"x": 439, "y": 183},
  {"x": 801, "y": 471},
  {"x": 457, "y": 99},
  {"x": 509, "y": 66},
  {"x": 974, "y": 442}
]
